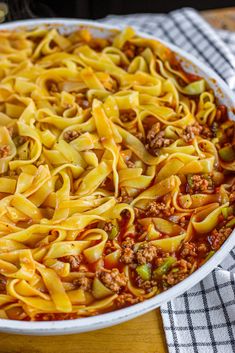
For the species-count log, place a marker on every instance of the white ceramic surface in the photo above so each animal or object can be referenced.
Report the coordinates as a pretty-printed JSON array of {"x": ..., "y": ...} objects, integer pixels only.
[{"x": 112, "y": 318}]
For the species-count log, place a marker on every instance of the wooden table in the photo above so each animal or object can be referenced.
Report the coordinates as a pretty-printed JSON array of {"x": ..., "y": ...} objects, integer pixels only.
[
  {"x": 142, "y": 335},
  {"x": 221, "y": 18}
]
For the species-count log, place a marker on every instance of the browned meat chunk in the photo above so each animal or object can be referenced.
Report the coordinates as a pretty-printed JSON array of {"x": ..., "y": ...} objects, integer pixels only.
[
  {"x": 146, "y": 285},
  {"x": 156, "y": 209},
  {"x": 146, "y": 253},
  {"x": 206, "y": 132},
  {"x": 179, "y": 271},
  {"x": 188, "y": 249},
  {"x": 131, "y": 50},
  {"x": 124, "y": 197},
  {"x": 109, "y": 247},
  {"x": 199, "y": 184},
  {"x": 71, "y": 135},
  {"x": 127, "y": 115},
  {"x": 113, "y": 279},
  {"x": 128, "y": 255},
  {"x": 152, "y": 133},
  {"x": 73, "y": 260},
  {"x": 191, "y": 132},
  {"x": 4, "y": 151},
  {"x": 218, "y": 237},
  {"x": 158, "y": 142},
  {"x": 156, "y": 139},
  {"x": 84, "y": 283},
  {"x": 128, "y": 243},
  {"x": 202, "y": 249},
  {"x": 108, "y": 227},
  {"x": 126, "y": 299}
]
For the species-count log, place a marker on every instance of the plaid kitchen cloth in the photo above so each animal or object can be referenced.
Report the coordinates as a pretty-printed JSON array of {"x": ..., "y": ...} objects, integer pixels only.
[{"x": 202, "y": 320}]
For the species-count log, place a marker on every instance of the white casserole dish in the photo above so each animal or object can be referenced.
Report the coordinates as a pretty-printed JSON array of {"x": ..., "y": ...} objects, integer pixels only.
[{"x": 226, "y": 97}]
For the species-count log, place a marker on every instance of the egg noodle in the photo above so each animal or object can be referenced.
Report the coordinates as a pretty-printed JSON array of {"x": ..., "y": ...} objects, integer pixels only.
[{"x": 116, "y": 172}]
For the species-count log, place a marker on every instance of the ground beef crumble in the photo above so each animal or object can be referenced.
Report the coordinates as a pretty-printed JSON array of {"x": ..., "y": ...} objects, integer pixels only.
[
  {"x": 4, "y": 151},
  {"x": 131, "y": 50},
  {"x": 71, "y": 135},
  {"x": 218, "y": 237},
  {"x": 190, "y": 251},
  {"x": 128, "y": 243},
  {"x": 127, "y": 256},
  {"x": 126, "y": 299},
  {"x": 191, "y": 131},
  {"x": 202, "y": 249},
  {"x": 124, "y": 197},
  {"x": 73, "y": 260},
  {"x": 160, "y": 259},
  {"x": 55, "y": 316},
  {"x": 155, "y": 209},
  {"x": 84, "y": 283},
  {"x": 183, "y": 221},
  {"x": 146, "y": 285},
  {"x": 108, "y": 226},
  {"x": 146, "y": 253},
  {"x": 127, "y": 115},
  {"x": 179, "y": 271},
  {"x": 113, "y": 279},
  {"x": 154, "y": 130},
  {"x": 199, "y": 183},
  {"x": 206, "y": 132},
  {"x": 109, "y": 247},
  {"x": 156, "y": 139}
]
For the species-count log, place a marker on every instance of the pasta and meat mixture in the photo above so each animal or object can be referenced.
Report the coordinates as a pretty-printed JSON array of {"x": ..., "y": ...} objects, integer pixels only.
[{"x": 116, "y": 172}]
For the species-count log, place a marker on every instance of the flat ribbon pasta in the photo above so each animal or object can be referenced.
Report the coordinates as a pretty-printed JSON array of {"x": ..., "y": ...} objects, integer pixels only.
[{"x": 116, "y": 172}]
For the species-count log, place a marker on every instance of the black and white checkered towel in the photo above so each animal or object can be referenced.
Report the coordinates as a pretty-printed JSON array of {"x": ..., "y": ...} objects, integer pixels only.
[{"x": 201, "y": 320}]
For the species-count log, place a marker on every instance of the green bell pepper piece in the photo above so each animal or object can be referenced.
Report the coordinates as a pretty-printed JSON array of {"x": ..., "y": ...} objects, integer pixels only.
[
  {"x": 227, "y": 154},
  {"x": 144, "y": 272},
  {"x": 164, "y": 267},
  {"x": 114, "y": 232},
  {"x": 195, "y": 88}
]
